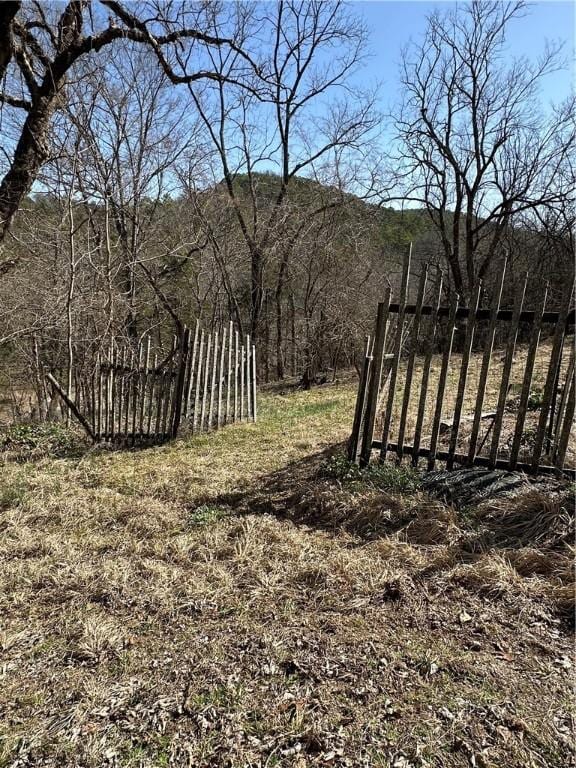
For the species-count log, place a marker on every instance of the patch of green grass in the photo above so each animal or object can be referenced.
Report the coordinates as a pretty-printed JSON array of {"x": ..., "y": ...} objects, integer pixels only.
[
  {"x": 47, "y": 438},
  {"x": 393, "y": 477},
  {"x": 206, "y": 514}
]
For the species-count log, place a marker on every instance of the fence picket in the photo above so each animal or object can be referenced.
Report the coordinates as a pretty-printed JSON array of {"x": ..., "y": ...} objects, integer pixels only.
[
  {"x": 426, "y": 372},
  {"x": 229, "y": 373},
  {"x": 468, "y": 341},
  {"x": 198, "y": 384},
  {"x": 206, "y": 380},
  {"x": 486, "y": 360},
  {"x": 220, "y": 380},
  {"x": 254, "y": 410},
  {"x": 397, "y": 352},
  {"x": 506, "y": 371},
  {"x": 527, "y": 380},
  {"x": 375, "y": 377},
  {"x": 411, "y": 361},
  {"x": 557, "y": 345},
  {"x": 442, "y": 382},
  {"x": 360, "y": 404}
]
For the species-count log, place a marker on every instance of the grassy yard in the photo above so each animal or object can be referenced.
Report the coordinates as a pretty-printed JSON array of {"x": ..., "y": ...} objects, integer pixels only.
[{"x": 226, "y": 601}]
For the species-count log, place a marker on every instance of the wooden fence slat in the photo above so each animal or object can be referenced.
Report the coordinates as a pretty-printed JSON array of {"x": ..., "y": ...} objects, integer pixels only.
[
  {"x": 169, "y": 392},
  {"x": 71, "y": 405},
  {"x": 242, "y": 364},
  {"x": 127, "y": 394},
  {"x": 486, "y": 360},
  {"x": 191, "y": 357},
  {"x": 136, "y": 390},
  {"x": 99, "y": 397},
  {"x": 236, "y": 356},
  {"x": 180, "y": 381},
  {"x": 562, "y": 405},
  {"x": 153, "y": 377},
  {"x": 567, "y": 423},
  {"x": 198, "y": 385},
  {"x": 397, "y": 352},
  {"x": 527, "y": 380},
  {"x": 206, "y": 381},
  {"x": 411, "y": 360},
  {"x": 557, "y": 345},
  {"x": 254, "y": 409},
  {"x": 113, "y": 388},
  {"x": 466, "y": 353},
  {"x": 442, "y": 382},
  {"x": 143, "y": 385},
  {"x": 360, "y": 404},
  {"x": 221, "y": 379},
  {"x": 375, "y": 377},
  {"x": 229, "y": 373},
  {"x": 213, "y": 380},
  {"x": 506, "y": 372},
  {"x": 430, "y": 339},
  {"x": 248, "y": 383}
]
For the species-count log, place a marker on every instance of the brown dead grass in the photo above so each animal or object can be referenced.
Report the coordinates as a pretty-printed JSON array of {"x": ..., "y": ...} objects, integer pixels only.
[{"x": 217, "y": 603}]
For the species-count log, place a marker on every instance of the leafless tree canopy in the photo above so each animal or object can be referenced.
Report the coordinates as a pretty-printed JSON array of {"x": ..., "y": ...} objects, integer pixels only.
[{"x": 170, "y": 161}]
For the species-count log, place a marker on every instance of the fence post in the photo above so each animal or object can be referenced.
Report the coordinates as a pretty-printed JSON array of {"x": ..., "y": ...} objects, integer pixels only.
[
  {"x": 374, "y": 387},
  {"x": 506, "y": 371},
  {"x": 360, "y": 403},
  {"x": 180, "y": 381},
  {"x": 397, "y": 353},
  {"x": 551, "y": 378},
  {"x": 485, "y": 369},
  {"x": 469, "y": 340},
  {"x": 254, "y": 414}
]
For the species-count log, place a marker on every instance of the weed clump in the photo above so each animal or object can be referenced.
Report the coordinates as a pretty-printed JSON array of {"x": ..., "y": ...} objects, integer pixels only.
[
  {"x": 32, "y": 441},
  {"x": 384, "y": 476}
]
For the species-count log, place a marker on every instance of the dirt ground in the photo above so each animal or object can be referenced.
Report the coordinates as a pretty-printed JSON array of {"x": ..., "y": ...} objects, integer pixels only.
[{"x": 243, "y": 600}]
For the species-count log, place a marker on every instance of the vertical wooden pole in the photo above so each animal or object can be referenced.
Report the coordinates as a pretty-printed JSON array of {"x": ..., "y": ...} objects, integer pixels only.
[
  {"x": 236, "y": 355},
  {"x": 430, "y": 340},
  {"x": 198, "y": 385},
  {"x": 144, "y": 387},
  {"x": 229, "y": 373},
  {"x": 567, "y": 424},
  {"x": 152, "y": 398},
  {"x": 397, "y": 354},
  {"x": 128, "y": 388},
  {"x": 180, "y": 382},
  {"x": 191, "y": 357},
  {"x": 527, "y": 380},
  {"x": 466, "y": 354},
  {"x": 136, "y": 389},
  {"x": 113, "y": 390},
  {"x": 375, "y": 378},
  {"x": 99, "y": 397},
  {"x": 506, "y": 371},
  {"x": 206, "y": 380},
  {"x": 411, "y": 361},
  {"x": 557, "y": 345},
  {"x": 242, "y": 362},
  {"x": 562, "y": 404},
  {"x": 166, "y": 427},
  {"x": 221, "y": 380},
  {"x": 248, "y": 385},
  {"x": 254, "y": 409},
  {"x": 442, "y": 381},
  {"x": 213, "y": 380},
  {"x": 486, "y": 360},
  {"x": 360, "y": 405}
]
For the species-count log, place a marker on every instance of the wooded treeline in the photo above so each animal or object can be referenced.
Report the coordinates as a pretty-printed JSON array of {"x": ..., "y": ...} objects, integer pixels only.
[{"x": 167, "y": 162}]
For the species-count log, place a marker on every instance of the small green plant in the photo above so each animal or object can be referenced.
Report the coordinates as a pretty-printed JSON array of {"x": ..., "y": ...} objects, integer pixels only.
[
  {"x": 394, "y": 477},
  {"x": 535, "y": 399},
  {"x": 339, "y": 467},
  {"x": 385, "y": 476},
  {"x": 206, "y": 514},
  {"x": 47, "y": 438}
]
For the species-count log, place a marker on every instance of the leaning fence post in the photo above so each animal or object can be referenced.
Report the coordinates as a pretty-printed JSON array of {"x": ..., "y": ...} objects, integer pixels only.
[
  {"x": 360, "y": 403},
  {"x": 374, "y": 387}
]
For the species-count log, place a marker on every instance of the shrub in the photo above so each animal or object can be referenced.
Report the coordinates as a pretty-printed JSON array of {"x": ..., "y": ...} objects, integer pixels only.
[{"x": 395, "y": 477}]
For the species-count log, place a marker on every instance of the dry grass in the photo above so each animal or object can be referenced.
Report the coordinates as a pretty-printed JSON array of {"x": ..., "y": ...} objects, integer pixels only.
[{"x": 217, "y": 603}]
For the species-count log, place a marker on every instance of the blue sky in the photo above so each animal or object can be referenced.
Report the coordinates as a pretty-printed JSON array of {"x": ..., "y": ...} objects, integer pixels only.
[{"x": 394, "y": 22}]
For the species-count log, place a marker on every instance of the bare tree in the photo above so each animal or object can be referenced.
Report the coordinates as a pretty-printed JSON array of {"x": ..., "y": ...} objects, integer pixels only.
[
  {"x": 472, "y": 148},
  {"x": 45, "y": 43}
]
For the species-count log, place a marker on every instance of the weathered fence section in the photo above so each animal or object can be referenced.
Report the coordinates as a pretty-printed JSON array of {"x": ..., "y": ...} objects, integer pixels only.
[
  {"x": 134, "y": 396},
  {"x": 468, "y": 385}
]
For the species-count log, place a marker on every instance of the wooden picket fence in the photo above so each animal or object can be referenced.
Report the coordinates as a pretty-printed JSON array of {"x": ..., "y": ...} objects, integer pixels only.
[
  {"x": 206, "y": 380},
  {"x": 445, "y": 382}
]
